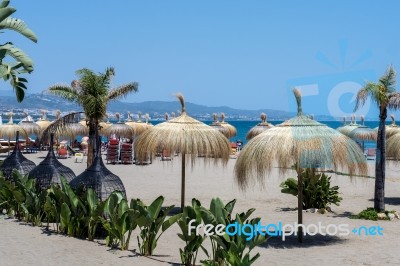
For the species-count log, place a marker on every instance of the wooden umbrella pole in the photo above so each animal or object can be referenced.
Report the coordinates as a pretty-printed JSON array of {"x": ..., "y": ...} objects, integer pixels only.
[
  {"x": 183, "y": 182},
  {"x": 300, "y": 206}
]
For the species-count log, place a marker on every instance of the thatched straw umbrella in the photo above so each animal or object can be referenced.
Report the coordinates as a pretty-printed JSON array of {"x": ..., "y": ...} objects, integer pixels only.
[
  {"x": 105, "y": 125},
  {"x": 217, "y": 126},
  {"x": 300, "y": 142},
  {"x": 259, "y": 128},
  {"x": 16, "y": 160},
  {"x": 391, "y": 129},
  {"x": 231, "y": 129},
  {"x": 120, "y": 129},
  {"x": 186, "y": 135},
  {"x": 98, "y": 177},
  {"x": 350, "y": 127},
  {"x": 393, "y": 146},
  {"x": 43, "y": 122},
  {"x": 50, "y": 170},
  {"x": 29, "y": 126},
  {"x": 138, "y": 126},
  {"x": 363, "y": 133},
  {"x": 9, "y": 130}
]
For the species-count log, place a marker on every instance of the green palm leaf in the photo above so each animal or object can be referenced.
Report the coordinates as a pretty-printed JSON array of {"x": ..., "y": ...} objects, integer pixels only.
[{"x": 19, "y": 26}]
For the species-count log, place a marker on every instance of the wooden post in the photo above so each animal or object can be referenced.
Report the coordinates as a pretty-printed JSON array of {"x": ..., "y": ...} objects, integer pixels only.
[
  {"x": 299, "y": 205},
  {"x": 183, "y": 182}
]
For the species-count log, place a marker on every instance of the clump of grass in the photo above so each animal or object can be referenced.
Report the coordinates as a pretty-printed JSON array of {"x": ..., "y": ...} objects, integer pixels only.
[{"x": 370, "y": 214}]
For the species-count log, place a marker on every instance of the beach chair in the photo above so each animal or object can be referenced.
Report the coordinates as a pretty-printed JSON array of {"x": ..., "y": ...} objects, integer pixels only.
[
  {"x": 113, "y": 151},
  {"x": 370, "y": 154},
  {"x": 4, "y": 149},
  {"x": 78, "y": 157},
  {"x": 126, "y": 153},
  {"x": 166, "y": 155}
]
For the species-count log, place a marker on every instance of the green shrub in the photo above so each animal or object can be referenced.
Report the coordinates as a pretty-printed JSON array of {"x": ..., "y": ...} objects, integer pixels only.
[
  {"x": 317, "y": 190},
  {"x": 367, "y": 214}
]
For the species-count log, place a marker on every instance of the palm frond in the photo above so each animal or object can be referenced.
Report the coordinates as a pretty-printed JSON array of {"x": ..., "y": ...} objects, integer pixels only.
[
  {"x": 59, "y": 125},
  {"x": 388, "y": 80},
  {"x": 394, "y": 101},
  {"x": 122, "y": 91},
  {"x": 65, "y": 92},
  {"x": 363, "y": 93}
]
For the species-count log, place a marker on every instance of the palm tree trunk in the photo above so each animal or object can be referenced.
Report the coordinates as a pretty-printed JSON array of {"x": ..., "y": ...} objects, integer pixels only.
[
  {"x": 380, "y": 166},
  {"x": 92, "y": 140}
]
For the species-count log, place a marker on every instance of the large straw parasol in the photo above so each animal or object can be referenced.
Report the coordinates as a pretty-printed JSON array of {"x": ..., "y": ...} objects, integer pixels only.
[
  {"x": 9, "y": 130},
  {"x": 393, "y": 146},
  {"x": 363, "y": 133},
  {"x": 43, "y": 122},
  {"x": 231, "y": 129},
  {"x": 105, "y": 125},
  {"x": 186, "y": 135},
  {"x": 50, "y": 170},
  {"x": 16, "y": 160},
  {"x": 138, "y": 126},
  {"x": 120, "y": 129},
  {"x": 300, "y": 142},
  {"x": 259, "y": 128},
  {"x": 98, "y": 177},
  {"x": 217, "y": 126},
  {"x": 29, "y": 126}
]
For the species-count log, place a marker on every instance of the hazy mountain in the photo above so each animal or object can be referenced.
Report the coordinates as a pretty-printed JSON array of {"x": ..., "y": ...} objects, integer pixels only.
[{"x": 156, "y": 109}]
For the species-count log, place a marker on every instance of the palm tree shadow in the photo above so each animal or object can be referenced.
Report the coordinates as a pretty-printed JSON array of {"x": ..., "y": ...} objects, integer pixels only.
[
  {"x": 391, "y": 200},
  {"x": 345, "y": 214},
  {"x": 309, "y": 241}
]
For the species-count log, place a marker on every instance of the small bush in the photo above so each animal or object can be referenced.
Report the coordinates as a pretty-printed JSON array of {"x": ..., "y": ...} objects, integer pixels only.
[{"x": 367, "y": 214}]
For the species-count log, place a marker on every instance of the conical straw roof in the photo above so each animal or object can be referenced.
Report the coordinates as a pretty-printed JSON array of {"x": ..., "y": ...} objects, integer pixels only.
[
  {"x": 350, "y": 127},
  {"x": 231, "y": 129},
  {"x": 363, "y": 132},
  {"x": 138, "y": 126},
  {"x": 120, "y": 129},
  {"x": 300, "y": 142},
  {"x": 9, "y": 130},
  {"x": 43, "y": 122},
  {"x": 50, "y": 170},
  {"x": 393, "y": 147},
  {"x": 16, "y": 160},
  {"x": 392, "y": 129},
  {"x": 186, "y": 135},
  {"x": 259, "y": 128},
  {"x": 29, "y": 126},
  {"x": 217, "y": 126}
]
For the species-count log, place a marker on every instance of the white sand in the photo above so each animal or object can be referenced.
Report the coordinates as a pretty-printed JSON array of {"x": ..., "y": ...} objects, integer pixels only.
[{"x": 26, "y": 245}]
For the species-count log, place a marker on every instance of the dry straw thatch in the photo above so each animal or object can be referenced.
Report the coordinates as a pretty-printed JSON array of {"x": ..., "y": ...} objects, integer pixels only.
[
  {"x": 363, "y": 132},
  {"x": 346, "y": 130},
  {"x": 9, "y": 130},
  {"x": 138, "y": 126},
  {"x": 217, "y": 126},
  {"x": 29, "y": 126},
  {"x": 393, "y": 147},
  {"x": 66, "y": 126},
  {"x": 231, "y": 129},
  {"x": 43, "y": 122},
  {"x": 391, "y": 129},
  {"x": 120, "y": 129},
  {"x": 259, "y": 128},
  {"x": 300, "y": 142},
  {"x": 186, "y": 135}
]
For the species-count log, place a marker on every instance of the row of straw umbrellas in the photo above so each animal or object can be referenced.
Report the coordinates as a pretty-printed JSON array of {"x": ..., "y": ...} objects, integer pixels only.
[{"x": 295, "y": 144}]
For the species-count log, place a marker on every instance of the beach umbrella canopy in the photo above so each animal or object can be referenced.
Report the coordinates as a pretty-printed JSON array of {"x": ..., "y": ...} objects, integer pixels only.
[
  {"x": 99, "y": 178},
  {"x": 363, "y": 133},
  {"x": 393, "y": 146},
  {"x": 30, "y": 127},
  {"x": 217, "y": 126},
  {"x": 138, "y": 126},
  {"x": 186, "y": 135},
  {"x": 300, "y": 142},
  {"x": 43, "y": 122},
  {"x": 9, "y": 130},
  {"x": 16, "y": 160},
  {"x": 259, "y": 128},
  {"x": 50, "y": 170},
  {"x": 350, "y": 127},
  {"x": 231, "y": 129},
  {"x": 120, "y": 129}
]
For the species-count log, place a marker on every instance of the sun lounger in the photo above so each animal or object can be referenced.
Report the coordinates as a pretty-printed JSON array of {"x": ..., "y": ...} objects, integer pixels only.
[
  {"x": 166, "y": 156},
  {"x": 126, "y": 153},
  {"x": 371, "y": 154}
]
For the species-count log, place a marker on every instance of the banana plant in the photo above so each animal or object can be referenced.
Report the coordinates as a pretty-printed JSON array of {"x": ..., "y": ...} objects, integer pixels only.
[
  {"x": 121, "y": 220},
  {"x": 190, "y": 215},
  {"x": 95, "y": 210},
  {"x": 22, "y": 63},
  {"x": 151, "y": 220}
]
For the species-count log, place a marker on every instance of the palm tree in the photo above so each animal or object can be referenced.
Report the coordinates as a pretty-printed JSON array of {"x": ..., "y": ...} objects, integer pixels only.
[
  {"x": 384, "y": 94},
  {"x": 92, "y": 92},
  {"x": 22, "y": 63}
]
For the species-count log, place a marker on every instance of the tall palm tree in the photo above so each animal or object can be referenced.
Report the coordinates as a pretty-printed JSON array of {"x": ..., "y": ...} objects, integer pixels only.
[
  {"x": 22, "y": 63},
  {"x": 384, "y": 94},
  {"x": 92, "y": 92}
]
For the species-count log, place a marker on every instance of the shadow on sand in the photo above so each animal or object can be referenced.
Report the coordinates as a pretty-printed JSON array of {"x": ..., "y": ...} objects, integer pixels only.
[
  {"x": 391, "y": 200},
  {"x": 309, "y": 241}
]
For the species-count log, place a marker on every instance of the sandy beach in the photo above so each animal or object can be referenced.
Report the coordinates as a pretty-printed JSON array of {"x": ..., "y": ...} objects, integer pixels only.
[{"x": 25, "y": 245}]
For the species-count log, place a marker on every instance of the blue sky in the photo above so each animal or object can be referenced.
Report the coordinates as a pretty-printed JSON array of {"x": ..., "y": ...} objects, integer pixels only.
[{"x": 243, "y": 54}]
